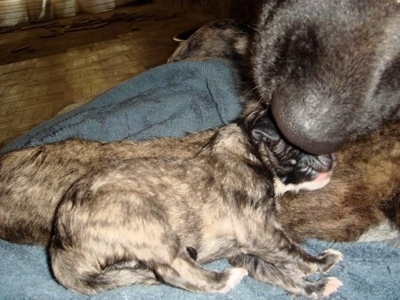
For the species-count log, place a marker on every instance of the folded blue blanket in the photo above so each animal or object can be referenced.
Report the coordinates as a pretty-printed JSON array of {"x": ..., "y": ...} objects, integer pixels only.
[{"x": 171, "y": 100}]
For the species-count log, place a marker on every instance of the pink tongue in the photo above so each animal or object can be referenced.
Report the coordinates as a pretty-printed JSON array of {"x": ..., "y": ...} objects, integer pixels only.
[{"x": 322, "y": 176}]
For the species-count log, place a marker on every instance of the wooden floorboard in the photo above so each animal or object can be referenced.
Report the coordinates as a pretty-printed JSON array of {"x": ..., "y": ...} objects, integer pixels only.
[{"x": 39, "y": 76}]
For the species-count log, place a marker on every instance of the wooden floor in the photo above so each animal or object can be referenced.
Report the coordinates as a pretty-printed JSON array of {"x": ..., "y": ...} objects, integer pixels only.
[{"x": 44, "y": 69}]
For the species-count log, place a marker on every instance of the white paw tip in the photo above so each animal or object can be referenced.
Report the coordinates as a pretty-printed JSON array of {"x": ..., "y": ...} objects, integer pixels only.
[
  {"x": 331, "y": 286},
  {"x": 334, "y": 252},
  {"x": 235, "y": 276}
]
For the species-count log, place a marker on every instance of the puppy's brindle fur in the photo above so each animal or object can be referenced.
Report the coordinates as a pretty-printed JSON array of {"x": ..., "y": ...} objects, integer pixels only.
[
  {"x": 363, "y": 193},
  {"x": 131, "y": 222},
  {"x": 228, "y": 39}
]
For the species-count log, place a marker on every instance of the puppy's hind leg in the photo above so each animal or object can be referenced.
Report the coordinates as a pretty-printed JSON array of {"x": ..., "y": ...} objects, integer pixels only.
[
  {"x": 278, "y": 260},
  {"x": 289, "y": 280},
  {"x": 185, "y": 273}
]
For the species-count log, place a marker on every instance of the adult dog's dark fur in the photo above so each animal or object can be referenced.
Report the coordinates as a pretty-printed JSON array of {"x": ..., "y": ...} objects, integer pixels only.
[
  {"x": 131, "y": 222},
  {"x": 363, "y": 194},
  {"x": 329, "y": 69}
]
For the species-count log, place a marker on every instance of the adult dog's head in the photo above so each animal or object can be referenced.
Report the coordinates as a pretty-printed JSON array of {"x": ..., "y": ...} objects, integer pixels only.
[
  {"x": 329, "y": 69},
  {"x": 293, "y": 168}
]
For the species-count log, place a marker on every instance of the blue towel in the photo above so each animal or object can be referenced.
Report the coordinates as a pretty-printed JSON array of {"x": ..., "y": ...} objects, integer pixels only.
[
  {"x": 171, "y": 100},
  {"x": 369, "y": 271}
]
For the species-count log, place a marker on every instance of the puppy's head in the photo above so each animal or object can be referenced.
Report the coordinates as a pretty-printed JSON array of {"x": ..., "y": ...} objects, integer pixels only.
[{"x": 294, "y": 169}]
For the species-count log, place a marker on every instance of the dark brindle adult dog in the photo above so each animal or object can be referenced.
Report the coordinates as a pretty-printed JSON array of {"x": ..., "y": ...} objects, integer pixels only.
[
  {"x": 132, "y": 221},
  {"x": 329, "y": 69}
]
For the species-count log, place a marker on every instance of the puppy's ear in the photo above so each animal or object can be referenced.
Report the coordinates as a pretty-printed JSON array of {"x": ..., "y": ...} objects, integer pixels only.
[{"x": 265, "y": 131}]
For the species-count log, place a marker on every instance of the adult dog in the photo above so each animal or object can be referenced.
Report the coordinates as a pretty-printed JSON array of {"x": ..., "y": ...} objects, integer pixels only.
[{"x": 329, "y": 69}]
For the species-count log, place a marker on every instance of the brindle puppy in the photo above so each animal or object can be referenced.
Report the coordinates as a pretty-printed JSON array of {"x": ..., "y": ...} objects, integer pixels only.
[
  {"x": 33, "y": 180},
  {"x": 132, "y": 221},
  {"x": 362, "y": 195}
]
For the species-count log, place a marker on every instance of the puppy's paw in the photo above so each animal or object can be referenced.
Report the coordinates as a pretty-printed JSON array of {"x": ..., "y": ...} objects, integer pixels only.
[
  {"x": 329, "y": 258},
  {"x": 321, "y": 288},
  {"x": 234, "y": 276},
  {"x": 332, "y": 285}
]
